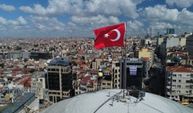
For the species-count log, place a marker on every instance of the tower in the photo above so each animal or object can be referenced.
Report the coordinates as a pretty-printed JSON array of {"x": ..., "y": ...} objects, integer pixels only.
[{"x": 59, "y": 79}]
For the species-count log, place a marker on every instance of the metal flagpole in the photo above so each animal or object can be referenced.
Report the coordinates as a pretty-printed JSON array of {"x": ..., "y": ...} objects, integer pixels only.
[{"x": 123, "y": 73}]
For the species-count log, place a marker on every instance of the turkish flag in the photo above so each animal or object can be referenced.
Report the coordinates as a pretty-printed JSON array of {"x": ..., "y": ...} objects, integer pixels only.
[{"x": 110, "y": 36}]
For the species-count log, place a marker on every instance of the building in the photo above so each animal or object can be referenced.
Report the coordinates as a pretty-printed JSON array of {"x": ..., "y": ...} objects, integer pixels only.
[
  {"x": 40, "y": 55},
  {"x": 189, "y": 44},
  {"x": 131, "y": 73},
  {"x": 88, "y": 83},
  {"x": 148, "y": 57},
  {"x": 116, "y": 74},
  {"x": 59, "y": 79},
  {"x": 170, "y": 31},
  {"x": 106, "y": 79},
  {"x": 117, "y": 101},
  {"x": 179, "y": 83},
  {"x": 146, "y": 52},
  {"x": 39, "y": 86},
  {"x": 172, "y": 42},
  {"x": 26, "y": 103}
]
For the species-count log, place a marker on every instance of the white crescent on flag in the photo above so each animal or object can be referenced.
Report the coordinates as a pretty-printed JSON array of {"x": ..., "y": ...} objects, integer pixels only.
[{"x": 118, "y": 35}]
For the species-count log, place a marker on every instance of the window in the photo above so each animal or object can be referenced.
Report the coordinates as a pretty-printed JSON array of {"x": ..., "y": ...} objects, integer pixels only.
[
  {"x": 188, "y": 81},
  {"x": 179, "y": 75},
  {"x": 108, "y": 84},
  {"x": 117, "y": 64},
  {"x": 178, "y": 86},
  {"x": 179, "y": 80},
  {"x": 173, "y": 80},
  {"x": 115, "y": 71}
]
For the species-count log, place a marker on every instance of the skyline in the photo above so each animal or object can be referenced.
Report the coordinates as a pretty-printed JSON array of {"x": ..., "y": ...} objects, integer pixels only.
[{"x": 68, "y": 18}]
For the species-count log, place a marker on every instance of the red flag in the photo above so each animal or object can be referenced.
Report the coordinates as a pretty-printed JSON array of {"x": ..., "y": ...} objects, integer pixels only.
[{"x": 110, "y": 36}]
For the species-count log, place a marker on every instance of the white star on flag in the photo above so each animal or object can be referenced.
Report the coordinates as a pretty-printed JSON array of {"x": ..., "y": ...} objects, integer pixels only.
[{"x": 106, "y": 35}]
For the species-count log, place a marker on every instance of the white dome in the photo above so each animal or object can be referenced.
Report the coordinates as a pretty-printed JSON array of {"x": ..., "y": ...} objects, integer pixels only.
[{"x": 100, "y": 102}]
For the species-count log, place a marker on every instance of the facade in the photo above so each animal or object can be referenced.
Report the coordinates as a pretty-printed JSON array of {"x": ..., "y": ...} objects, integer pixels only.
[
  {"x": 172, "y": 42},
  {"x": 182, "y": 41},
  {"x": 116, "y": 74},
  {"x": 27, "y": 103},
  {"x": 40, "y": 55},
  {"x": 59, "y": 79},
  {"x": 38, "y": 85},
  {"x": 160, "y": 40},
  {"x": 106, "y": 84},
  {"x": 131, "y": 73},
  {"x": 87, "y": 84},
  {"x": 147, "y": 53},
  {"x": 179, "y": 83},
  {"x": 189, "y": 44}
]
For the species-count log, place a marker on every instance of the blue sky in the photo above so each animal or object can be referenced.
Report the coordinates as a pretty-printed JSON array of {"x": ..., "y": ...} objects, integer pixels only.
[{"x": 67, "y": 18}]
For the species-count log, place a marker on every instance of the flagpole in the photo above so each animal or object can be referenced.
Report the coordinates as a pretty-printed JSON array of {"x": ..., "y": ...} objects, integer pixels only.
[{"x": 124, "y": 80}]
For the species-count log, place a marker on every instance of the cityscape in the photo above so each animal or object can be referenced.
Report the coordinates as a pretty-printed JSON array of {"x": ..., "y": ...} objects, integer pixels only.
[{"x": 68, "y": 56}]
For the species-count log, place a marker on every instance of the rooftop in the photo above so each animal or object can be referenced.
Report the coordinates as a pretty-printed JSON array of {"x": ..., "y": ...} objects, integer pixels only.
[
  {"x": 179, "y": 69},
  {"x": 106, "y": 101},
  {"x": 59, "y": 62},
  {"x": 19, "y": 103}
]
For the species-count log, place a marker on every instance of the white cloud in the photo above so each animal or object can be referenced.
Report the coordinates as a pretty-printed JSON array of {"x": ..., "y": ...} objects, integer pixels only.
[
  {"x": 85, "y": 7},
  {"x": 135, "y": 27},
  {"x": 180, "y": 3},
  {"x": 113, "y": 7},
  {"x": 47, "y": 23},
  {"x": 185, "y": 17},
  {"x": 17, "y": 22},
  {"x": 95, "y": 20},
  {"x": 160, "y": 12},
  {"x": 8, "y": 8},
  {"x": 85, "y": 15},
  {"x": 38, "y": 9},
  {"x": 2, "y": 21},
  {"x": 160, "y": 25},
  {"x": 159, "y": 17}
]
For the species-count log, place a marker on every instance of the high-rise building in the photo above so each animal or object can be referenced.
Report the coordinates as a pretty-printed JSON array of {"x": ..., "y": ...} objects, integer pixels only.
[
  {"x": 131, "y": 73},
  {"x": 170, "y": 31},
  {"x": 189, "y": 44},
  {"x": 59, "y": 79}
]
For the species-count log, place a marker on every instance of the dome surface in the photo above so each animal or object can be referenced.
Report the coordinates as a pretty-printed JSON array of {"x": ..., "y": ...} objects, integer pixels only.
[{"x": 112, "y": 101}]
